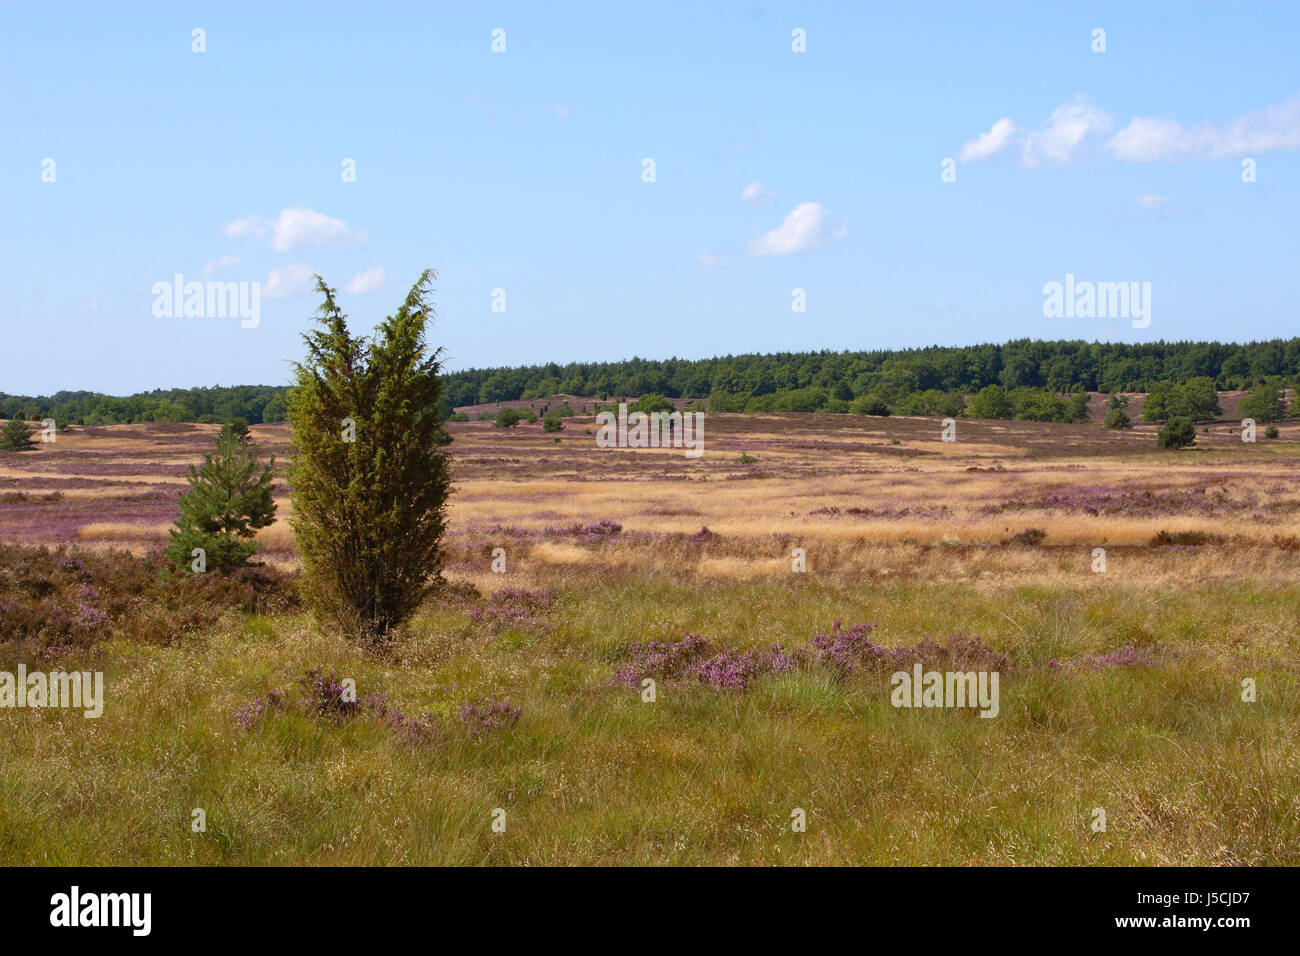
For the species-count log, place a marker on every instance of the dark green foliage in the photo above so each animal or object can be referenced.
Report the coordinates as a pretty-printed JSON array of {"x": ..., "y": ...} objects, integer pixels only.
[
  {"x": 229, "y": 499},
  {"x": 508, "y": 418},
  {"x": 991, "y": 401},
  {"x": 458, "y": 417},
  {"x": 369, "y": 514},
  {"x": 238, "y": 427},
  {"x": 872, "y": 404},
  {"x": 651, "y": 403},
  {"x": 1264, "y": 403},
  {"x": 932, "y": 403},
  {"x": 16, "y": 436},
  {"x": 1118, "y": 418},
  {"x": 1195, "y": 399},
  {"x": 808, "y": 381},
  {"x": 1177, "y": 433},
  {"x": 1076, "y": 409},
  {"x": 552, "y": 423},
  {"x": 1271, "y": 431}
]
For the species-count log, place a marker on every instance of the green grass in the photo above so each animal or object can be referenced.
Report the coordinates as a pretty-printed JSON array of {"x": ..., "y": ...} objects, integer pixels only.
[{"x": 1186, "y": 772}]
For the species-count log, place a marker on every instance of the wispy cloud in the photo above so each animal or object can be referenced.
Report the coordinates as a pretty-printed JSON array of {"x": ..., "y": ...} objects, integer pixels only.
[
  {"x": 287, "y": 281},
  {"x": 987, "y": 145},
  {"x": 1076, "y": 125},
  {"x": 800, "y": 232},
  {"x": 1068, "y": 126},
  {"x": 754, "y": 193},
  {"x": 1148, "y": 139},
  {"x": 712, "y": 261},
  {"x": 372, "y": 280},
  {"x": 216, "y": 265},
  {"x": 296, "y": 228}
]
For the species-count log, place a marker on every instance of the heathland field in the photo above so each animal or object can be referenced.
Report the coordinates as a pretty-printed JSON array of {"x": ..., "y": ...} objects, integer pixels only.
[{"x": 1141, "y": 608}]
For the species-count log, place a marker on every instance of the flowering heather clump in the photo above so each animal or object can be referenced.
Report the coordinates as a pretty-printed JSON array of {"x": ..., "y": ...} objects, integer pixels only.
[
  {"x": 422, "y": 729},
  {"x": 664, "y": 660},
  {"x": 246, "y": 717},
  {"x": 846, "y": 651},
  {"x": 696, "y": 658},
  {"x": 960, "y": 652},
  {"x": 1126, "y": 656},
  {"x": 323, "y": 695},
  {"x": 733, "y": 669},
  {"x": 926, "y": 514},
  {"x": 481, "y": 719},
  {"x": 66, "y": 598},
  {"x": 589, "y": 534},
  {"x": 513, "y": 606},
  {"x": 1134, "y": 502},
  {"x": 703, "y": 536}
]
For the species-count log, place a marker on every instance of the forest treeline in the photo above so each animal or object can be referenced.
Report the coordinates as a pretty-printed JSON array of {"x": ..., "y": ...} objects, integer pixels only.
[{"x": 911, "y": 381}]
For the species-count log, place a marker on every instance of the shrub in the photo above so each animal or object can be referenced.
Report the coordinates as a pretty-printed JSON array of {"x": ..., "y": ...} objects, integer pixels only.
[
  {"x": 1264, "y": 403},
  {"x": 16, "y": 436},
  {"x": 1030, "y": 537},
  {"x": 238, "y": 427},
  {"x": 1177, "y": 433},
  {"x": 1271, "y": 432},
  {"x": 228, "y": 500},
  {"x": 1118, "y": 418},
  {"x": 369, "y": 513},
  {"x": 870, "y": 404},
  {"x": 1076, "y": 410},
  {"x": 991, "y": 401},
  {"x": 651, "y": 403},
  {"x": 508, "y": 418},
  {"x": 458, "y": 417},
  {"x": 552, "y": 423}
]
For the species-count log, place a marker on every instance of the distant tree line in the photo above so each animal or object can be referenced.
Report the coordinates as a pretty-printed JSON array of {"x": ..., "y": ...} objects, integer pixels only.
[
  {"x": 1031, "y": 380},
  {"x": 911, "y": 381}
]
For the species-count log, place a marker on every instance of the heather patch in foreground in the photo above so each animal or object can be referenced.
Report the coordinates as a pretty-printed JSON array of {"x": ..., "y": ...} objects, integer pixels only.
[
  {"x": 61, "y": 598},
  {"x": 843, "y": 652},
  {"x": 329, "y": 697},
  {"x": 519, "y": 607}
]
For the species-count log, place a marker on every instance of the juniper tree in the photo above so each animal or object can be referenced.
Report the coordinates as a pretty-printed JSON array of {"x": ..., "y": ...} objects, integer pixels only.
[
  {"x": 228, "y": 500},
  {"x": 16, "y": 436},
  {"x": 369, "y": 483}
]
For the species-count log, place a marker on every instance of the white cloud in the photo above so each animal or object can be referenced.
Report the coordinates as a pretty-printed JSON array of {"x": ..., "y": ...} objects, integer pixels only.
[
  {"x": 712, "y": 261},
  {"x": 754, "y": 193},
  {"x": 985, "y": 145},
  {"x": 245, "y": 226},
  {"x": 369, "y": 281},
  {"x": 1149, "y": 139},
  {"x": 291, "y": 280},
  {"x": 1152, "y": 202},
  {"x": 216, "y": 265},
  {"x": 299, "y": 227},
  {"x": 800, "y": 232},
  {"x": 1068, "y": 126},
  {"x": 296, "y": 228},
  {"x": 1145, "y": 139}
]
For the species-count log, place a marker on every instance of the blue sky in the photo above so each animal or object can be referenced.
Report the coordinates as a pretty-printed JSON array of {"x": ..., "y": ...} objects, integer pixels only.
[{"x": 523, "y": 171}]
